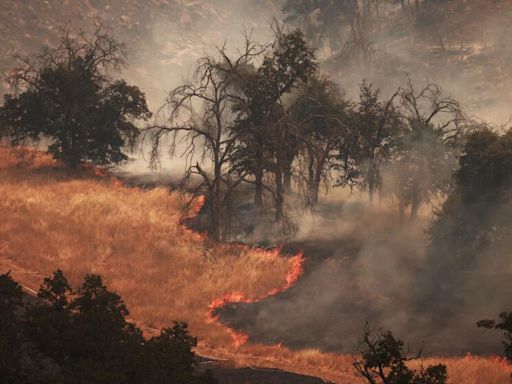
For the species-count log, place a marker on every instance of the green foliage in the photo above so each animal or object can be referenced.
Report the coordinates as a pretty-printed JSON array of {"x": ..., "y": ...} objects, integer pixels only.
[
  {"x": 69, "y": 96},
  {"x": 166, "y": 356},
  {"x": 383, "y": 361},
  {"x": 476, "y": 214},
  {"x": 486, "y": 166},
  {"x": 83, "y": 336},
  {"x": 377, "y": 133},
  {"x": 10, "y": 338},
  {"x": 267, "y": 143}
]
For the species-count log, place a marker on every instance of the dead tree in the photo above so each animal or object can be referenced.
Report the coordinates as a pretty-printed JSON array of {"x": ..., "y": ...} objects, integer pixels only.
[
  {"x": 435, "y": 125},
  {"x": 201, "y": 117}
]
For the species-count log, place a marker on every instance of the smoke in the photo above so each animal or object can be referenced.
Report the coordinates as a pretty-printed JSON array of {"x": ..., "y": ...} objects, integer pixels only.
[
  {"x": 364, "y": 265},
  {"x": 464, "y": 49}
]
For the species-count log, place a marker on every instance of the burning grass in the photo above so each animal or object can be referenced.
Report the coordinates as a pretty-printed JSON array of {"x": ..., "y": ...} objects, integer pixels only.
[{"x": 86, "y": 221}]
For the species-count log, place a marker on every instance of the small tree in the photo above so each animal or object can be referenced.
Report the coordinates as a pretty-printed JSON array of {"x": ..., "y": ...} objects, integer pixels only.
[
  {"x": 268, "y": 139},
  {"x": 201, "y": 115},
  {"x": 504, "y": 324},
  {"x": 68, "y": 94},
  {"x": 377, "y": 130},
  {"x": 427, "y": 158},
  {"x": 383, "y": 361},
  {"x": 323, "y": 114},
  {"x": 168, "y": 358}
]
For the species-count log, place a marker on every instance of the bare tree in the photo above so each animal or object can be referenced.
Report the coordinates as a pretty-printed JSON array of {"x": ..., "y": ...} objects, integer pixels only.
[
  {"x": 201, "y": 116},
  {"x": 377, "y": 130},
  {"x": 427, "y": 159}
]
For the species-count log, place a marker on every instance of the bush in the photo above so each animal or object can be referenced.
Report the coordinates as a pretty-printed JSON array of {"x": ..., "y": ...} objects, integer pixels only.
[
  {"x": 83, "y": 336},
  {"x": 383, "y": 361}
]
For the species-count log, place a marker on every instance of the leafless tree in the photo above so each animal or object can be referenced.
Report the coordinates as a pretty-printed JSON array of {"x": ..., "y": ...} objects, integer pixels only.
[
  {"x": 435, "y": 125},
  {"x": 201, "y": 116}
]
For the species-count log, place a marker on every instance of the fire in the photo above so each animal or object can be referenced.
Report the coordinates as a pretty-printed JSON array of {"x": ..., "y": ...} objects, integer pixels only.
[
  {"x": 239, "y": 338},
  {"x": 118, "y": 183}
]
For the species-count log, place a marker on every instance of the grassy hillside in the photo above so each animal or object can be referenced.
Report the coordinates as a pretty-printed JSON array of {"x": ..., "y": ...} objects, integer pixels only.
[{"x": 88, "y": 222}]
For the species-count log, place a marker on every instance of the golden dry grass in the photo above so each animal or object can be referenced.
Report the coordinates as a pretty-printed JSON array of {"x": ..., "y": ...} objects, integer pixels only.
[
  {"x": 83, "y": 223},
  {"x": 86, "y": 223}
]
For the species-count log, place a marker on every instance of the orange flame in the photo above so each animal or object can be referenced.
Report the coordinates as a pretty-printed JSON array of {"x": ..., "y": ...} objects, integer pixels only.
[{"x": 240, "y": 338}]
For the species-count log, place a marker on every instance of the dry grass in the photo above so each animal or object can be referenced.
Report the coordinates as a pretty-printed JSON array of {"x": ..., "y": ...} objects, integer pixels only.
[{"x": 83, "y": 223}]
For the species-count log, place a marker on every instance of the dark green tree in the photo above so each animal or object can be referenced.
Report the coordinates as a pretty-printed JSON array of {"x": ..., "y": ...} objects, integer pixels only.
[
  {"x": 474, "y": 220},
  {"x": 86, "y": 337},
  {"x": 108, "y": 342},
  {"x": 10, "y": 336},
  {"x": 48, "y": 321},
  {"x": 324, "y": 117},
  {"x": 427, "y": 157},
  {"x": 69, "y": 95},
  {"x": 269, "y": 140},
  {"x": 168, "y": 358},
  {"x": 377, "y": 131}
]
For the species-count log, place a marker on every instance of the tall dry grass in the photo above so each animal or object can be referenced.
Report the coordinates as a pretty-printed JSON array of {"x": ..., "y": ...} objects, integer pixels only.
[{"x": 84, "y": 222}]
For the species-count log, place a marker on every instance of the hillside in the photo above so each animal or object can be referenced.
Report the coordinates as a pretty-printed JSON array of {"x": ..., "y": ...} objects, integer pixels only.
[
  {"x": 272, "y": 308},
  {"x": 462, "y": 45},
  {"x": 91, "y": 223},
  {"x": 164, "y": 37}
]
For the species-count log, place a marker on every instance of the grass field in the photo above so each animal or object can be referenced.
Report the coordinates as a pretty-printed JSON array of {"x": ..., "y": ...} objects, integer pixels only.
[{"x": 88, "y": 222}]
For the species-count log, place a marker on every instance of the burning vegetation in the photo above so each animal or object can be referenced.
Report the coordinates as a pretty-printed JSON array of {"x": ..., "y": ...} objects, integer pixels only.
[{"x": 386, "y": 202}]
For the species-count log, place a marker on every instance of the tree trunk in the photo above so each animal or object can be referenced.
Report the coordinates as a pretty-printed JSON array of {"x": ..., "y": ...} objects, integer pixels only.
[
  {"x": 287, "y": 174},
  {"x": 216, "y": 201},
  {"x": 258, "y": 191},
  {"x": 287, "y": 179},
  {"x": 415, "y": 206},
  {"x": 401, "y": 209},
  {"x": 372, "y": 181},
  {"x": 279, "y": 195},
  {"x": 316, "y": 181},
  {"x": 216, "y": 221},
  {"x": 314, "y": 191},
  {"x": 258, "y": 180}
]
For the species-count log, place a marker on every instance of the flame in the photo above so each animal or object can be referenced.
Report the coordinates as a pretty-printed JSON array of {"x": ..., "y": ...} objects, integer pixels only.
[
  {"x": 118, "y": 182},
  {"x": 240, "y": 338}
]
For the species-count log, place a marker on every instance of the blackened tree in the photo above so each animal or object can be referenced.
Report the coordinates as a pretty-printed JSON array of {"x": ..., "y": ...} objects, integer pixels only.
[
  {"x": 503, "y": 324},
  {"x": 269, "y": 138},
  {"x": 383, "y": 361},
  {"x": 69, "y": 95},
  {"x": 324, "y": 116},
  {"x": 427, "y": 158},
  {"x": 377, "y": 132}
]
